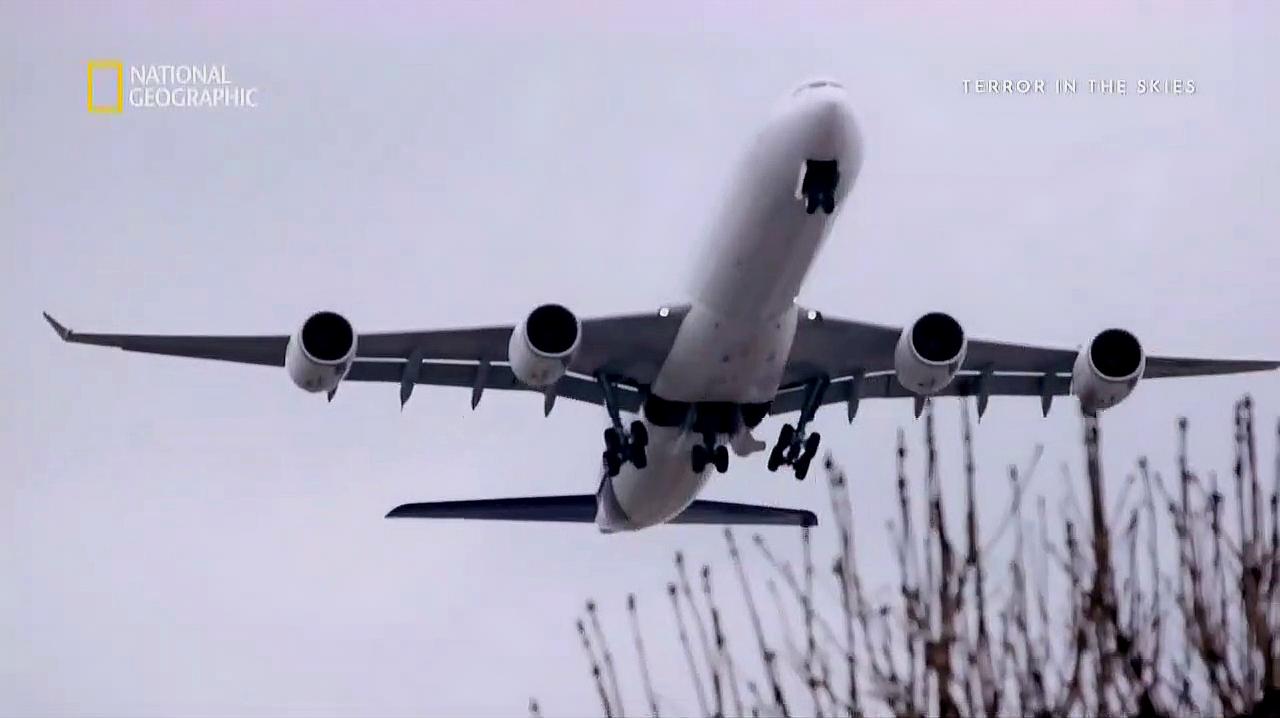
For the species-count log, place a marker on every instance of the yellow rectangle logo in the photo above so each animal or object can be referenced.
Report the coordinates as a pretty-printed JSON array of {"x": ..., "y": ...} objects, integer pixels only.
[{"x": 118, "y": 66}]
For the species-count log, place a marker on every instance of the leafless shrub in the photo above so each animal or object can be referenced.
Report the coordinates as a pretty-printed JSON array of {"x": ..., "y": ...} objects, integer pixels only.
[{"x": 1128, "y": 636}]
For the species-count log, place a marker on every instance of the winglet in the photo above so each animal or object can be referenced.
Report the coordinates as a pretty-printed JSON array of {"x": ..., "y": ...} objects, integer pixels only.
[{"x": 63, "y": 333}]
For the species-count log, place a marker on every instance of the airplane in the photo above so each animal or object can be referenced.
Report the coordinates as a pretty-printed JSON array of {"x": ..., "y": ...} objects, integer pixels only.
[{"x": 700, "y": 376}]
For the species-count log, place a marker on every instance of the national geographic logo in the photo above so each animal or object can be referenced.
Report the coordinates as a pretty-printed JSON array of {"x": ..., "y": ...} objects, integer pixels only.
[{"x": 208, "y": 86}]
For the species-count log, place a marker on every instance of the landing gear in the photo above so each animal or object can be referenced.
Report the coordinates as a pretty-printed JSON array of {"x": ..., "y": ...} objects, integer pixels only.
[
  {"x": 620, "y": 445},
  {"x": 721, "y": 458},
  {"x": 612, "y": 463},
  {"x": 794, "y": 448},
  {"x": 810, "y": 450},
  {"x": 709, "y": 454},
  {"x": 818, "y": 185},
  {"x": 639, "y": 436},
  {"x": 825, "y": 200}
]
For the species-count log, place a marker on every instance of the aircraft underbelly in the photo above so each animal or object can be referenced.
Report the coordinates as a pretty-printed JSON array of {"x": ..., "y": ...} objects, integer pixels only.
[{"x": 725, "y": 358}]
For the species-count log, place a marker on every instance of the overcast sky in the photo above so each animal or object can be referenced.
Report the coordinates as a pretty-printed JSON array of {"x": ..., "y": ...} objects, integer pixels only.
[{"x": 194, "y": 538}]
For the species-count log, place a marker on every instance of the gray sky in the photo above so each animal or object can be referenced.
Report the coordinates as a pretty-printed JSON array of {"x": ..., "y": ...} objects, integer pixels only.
[{"x": 187, "y": 537}]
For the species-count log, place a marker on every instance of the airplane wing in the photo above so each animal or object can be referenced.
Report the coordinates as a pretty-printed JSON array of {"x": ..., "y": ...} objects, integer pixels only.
[
  {"x": 629, "y": 348},
  {"x": 855, "y": 360}
]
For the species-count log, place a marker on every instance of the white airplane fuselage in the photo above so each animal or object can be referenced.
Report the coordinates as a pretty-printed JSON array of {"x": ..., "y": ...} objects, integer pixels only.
[{"x": 732, "y": 345}]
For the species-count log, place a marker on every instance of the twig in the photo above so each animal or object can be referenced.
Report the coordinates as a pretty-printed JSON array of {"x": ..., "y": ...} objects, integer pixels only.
[
  {"x": 811, "y": 644},
  {"x": 712, "y": 667},
  {"x": 766, "y": 656},
  {"x": 846, "y": 571},
  {"x": 722, "y": 651},
  {"x": 595, "y": 670},
  {"x": 644, "y": 661},
  {"x": 608, "y": 657},
  {"x": 688, "y": 649},
  {"x": 793, "y": 585}
]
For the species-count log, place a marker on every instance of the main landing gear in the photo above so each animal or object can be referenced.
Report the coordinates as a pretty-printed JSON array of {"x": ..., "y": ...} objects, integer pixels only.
[
  {"x": 621, "y": 446},
  {"x": 818, "y": 186},
  {"x": 794, "y": 448},
  {"x": 713, "y": 420},
  {"x": 709, "y": 453}
]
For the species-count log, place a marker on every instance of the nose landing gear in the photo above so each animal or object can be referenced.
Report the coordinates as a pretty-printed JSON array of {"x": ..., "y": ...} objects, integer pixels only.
[{"x": 818, "y": 185}]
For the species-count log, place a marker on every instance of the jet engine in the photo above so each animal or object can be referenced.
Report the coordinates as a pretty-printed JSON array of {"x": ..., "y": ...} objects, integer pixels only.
[
  {"x": 543, "y": 345},
  {"x": 320, "y": 353},
  {"x": 929, "y": 353},
  {"x": 1107, "y": 370}
]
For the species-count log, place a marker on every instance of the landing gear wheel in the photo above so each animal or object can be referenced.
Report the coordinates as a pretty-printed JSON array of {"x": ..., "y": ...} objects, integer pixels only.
[
  {"x": 785, "y": 436},
  {"x": 811, "y": 445},
  {"x": 787, "y": 450},
  {"x": 818, "y": 185},
  {"x": 775, "y": 458},
  {"x": 802, "y": 467},
  {"x": 639, "y": 434},
  {"x": 612, "y": 463},
  {"x": 612, "y": 440},
  {"x": 699, "y": 457},
  {"x": 721, "y": 458},
  {"x": 639, "y": 457},
  {"x": 796, "y": 447}
]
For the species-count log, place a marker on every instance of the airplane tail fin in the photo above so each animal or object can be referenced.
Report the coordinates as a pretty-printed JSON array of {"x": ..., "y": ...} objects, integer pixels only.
[{"x": 581, "y": 508}]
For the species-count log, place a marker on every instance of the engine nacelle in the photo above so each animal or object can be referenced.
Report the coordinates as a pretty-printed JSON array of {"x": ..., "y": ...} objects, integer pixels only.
[
  {"x": 543, "y": 345},
  {"x": 320, "y": 353},
  {"x": 1107, "y": 370},
  {"x": 929, "y": 353}
]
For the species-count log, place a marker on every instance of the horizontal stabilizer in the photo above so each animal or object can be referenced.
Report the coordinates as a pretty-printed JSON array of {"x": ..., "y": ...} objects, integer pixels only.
[
  {"x": 721, "y": 512},
  {"x": 578, "y": 509},
  {"x": 582, "y": 509}
]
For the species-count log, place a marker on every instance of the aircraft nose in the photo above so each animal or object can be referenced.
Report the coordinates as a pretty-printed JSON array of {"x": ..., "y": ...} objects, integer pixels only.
[
  {"x": 830, "y": 112},
  {"x": 830, "y": 120}
]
